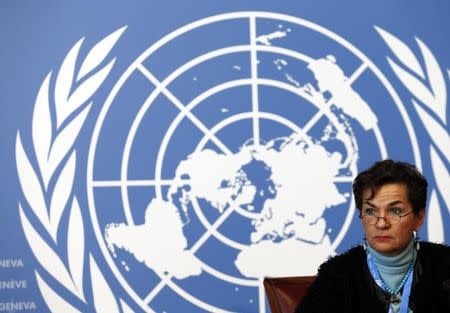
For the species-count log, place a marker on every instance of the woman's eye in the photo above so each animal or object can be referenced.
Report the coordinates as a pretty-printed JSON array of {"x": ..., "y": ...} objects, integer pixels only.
[
  {"x": 370, "y": 211},
  {"x": 395, "y": 211}
]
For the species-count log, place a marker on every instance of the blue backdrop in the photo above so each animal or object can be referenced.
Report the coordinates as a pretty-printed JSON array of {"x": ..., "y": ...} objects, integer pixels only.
[{"x": 165, "y": 156}]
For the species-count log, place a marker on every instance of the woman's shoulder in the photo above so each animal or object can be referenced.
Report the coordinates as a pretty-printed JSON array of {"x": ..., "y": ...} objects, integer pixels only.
[
  {"x": 435, "y": 251},
  {"x": 350, "y": 259}
]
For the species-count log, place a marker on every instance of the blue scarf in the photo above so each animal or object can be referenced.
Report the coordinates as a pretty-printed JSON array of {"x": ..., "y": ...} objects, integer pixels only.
[
  {"x": 393, "y": 268},
  {"x": 392, "y": 273}
]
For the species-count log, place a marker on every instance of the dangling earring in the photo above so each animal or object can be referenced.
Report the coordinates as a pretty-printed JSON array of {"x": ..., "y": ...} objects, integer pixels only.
[
  {"x": 416, "y": 240},
  {"x": 365, "y": 243}
]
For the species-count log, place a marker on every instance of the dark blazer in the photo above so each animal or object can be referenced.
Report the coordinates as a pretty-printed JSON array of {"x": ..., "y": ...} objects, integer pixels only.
[{"x": 344, "y": 284}]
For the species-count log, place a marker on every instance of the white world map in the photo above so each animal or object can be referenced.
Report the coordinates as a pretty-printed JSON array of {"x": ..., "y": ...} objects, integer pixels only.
[{"x": 287, "y": 205}]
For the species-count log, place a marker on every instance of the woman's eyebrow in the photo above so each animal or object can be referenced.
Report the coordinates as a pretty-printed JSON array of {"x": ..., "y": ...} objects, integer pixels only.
[
  {"x": 371, "y": 204},
  {"x": 395, "y": 202},
  {"x": 390, "y": 203}
]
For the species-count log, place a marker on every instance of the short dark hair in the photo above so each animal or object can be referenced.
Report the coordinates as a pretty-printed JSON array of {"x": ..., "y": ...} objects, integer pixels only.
[{"x": 389, "y": 171}]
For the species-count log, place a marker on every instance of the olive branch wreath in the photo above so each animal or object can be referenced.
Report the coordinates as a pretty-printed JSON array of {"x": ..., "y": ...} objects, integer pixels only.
[
  {"x": 47, "y": 186},
  {"x": 429, "y": 98}
]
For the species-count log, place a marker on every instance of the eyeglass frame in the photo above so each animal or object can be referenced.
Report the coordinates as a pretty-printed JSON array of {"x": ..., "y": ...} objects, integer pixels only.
[{"x": 400, "y": 216}]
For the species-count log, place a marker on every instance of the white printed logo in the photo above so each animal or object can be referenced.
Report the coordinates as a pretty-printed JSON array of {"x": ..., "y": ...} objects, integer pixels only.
[{"x": 216, "y": 163}]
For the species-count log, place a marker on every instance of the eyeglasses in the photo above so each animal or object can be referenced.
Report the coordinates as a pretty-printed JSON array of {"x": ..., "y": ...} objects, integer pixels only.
[{"x": 391, "y": 218}]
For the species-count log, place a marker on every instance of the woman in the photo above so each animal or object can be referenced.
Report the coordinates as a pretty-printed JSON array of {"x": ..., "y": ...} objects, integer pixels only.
[{"x": 392, "y": 272}]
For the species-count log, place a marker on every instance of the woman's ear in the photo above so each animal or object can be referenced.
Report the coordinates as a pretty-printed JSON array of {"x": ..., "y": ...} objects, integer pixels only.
[{"x": 420, "y": 217}]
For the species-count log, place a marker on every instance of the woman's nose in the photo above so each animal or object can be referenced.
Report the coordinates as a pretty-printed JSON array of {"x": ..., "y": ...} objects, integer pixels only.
[{"x": 382, "y": 223}]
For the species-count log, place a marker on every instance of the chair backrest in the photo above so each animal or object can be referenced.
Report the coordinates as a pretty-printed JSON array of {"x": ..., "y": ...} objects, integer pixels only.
[{"x": 285, "y": 293}]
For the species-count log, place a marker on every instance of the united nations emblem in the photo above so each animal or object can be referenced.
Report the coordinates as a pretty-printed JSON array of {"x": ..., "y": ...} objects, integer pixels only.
[{"x": 213, "y": 163}]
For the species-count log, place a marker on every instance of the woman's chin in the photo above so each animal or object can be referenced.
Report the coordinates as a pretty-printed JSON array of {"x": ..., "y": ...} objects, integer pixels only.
[{"x": 385, "y": 247}]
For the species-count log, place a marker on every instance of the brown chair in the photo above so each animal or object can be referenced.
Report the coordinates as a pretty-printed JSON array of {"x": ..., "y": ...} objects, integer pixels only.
[{"x": 285, "y": 293}]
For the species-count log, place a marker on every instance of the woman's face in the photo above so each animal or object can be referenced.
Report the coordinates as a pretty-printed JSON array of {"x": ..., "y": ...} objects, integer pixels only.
[{"x": 385, "y": 238}]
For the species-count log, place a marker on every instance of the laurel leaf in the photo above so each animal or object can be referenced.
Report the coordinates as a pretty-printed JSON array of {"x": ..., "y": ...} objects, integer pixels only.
[
  {"x": 441, "y": 176},
  {"x": 437, "y": 81},
  {"x": 45, "y": 255},
  {"x": 99, "y": 53},
  {"x": 50, "y": 156},
  {"x": 401, "y": 51},
  {"x": 64, "y": 83},
  {"x": 89, "y": 86},
  {"x": 104, "y": 300},
  {"x": 30, "y": 184},
  {"x": 415, "y": 86},
  {"x": 42, "y": 129},
  {"x": 75, "y": 245},
  {"x": 437, "y": 132},
  {"x": 125, "y": 307},
  {"x": 66, "y": 138},
  {"x": 61, "y": 193},
  {"x": 434, "y": 221},
  {"x": 54, "y": 301}
]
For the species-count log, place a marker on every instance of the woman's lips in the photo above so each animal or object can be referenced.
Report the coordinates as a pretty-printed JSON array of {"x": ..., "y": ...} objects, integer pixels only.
[{"x": 382, "y": 238}]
